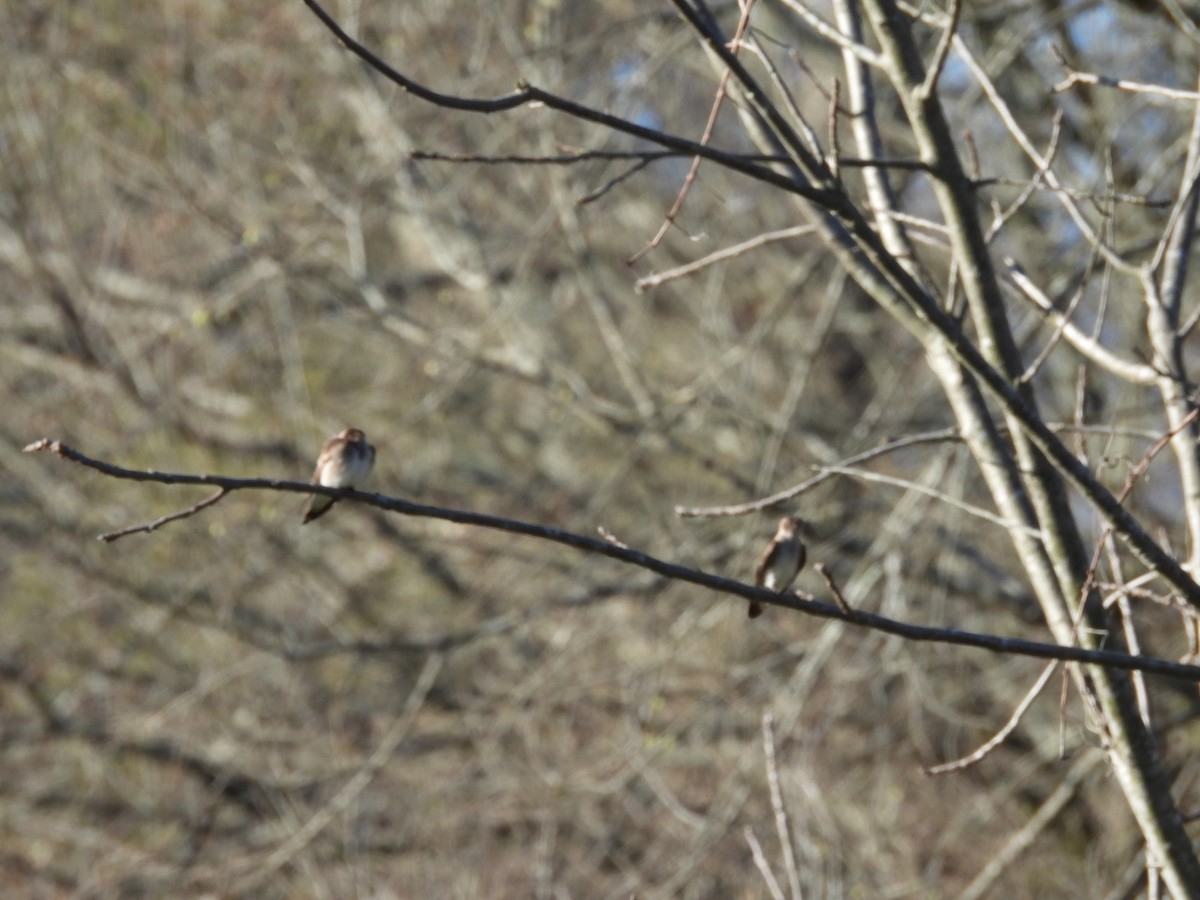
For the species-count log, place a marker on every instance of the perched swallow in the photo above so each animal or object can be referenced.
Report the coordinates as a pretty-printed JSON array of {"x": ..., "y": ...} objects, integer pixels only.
[
  {"x": 781, "y": 561},
  {"x": 345, "y": 461}
]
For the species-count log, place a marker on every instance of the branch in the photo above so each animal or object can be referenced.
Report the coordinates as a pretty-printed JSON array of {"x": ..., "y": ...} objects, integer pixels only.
[
  {"x": 653, "y": 281},
  {"x": 999, "y": 737},
  {"x": 800, "y": 603},
  {"x": 111, "y": 536},
  {"x": 705, "y": 137},
  {"x": 571, "y": 157},
  {"x": 925, "y": 91},
  {"x": 1074, "y": 77},
  {"x": 741, "y": 509},
  {"x": 782, "y": 828},
  {"x": 1086, "y": 345},
  {"x": 528, "y": 95}
]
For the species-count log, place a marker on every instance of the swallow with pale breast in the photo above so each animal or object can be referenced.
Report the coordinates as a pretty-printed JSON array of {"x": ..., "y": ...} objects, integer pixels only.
[
  {"x": 345, "y": 461},
  {"x": 781, "y": 561}
]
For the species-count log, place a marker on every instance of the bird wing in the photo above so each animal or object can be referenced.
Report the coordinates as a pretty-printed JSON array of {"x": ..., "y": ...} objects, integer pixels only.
[{"x": 764, "y": 562}]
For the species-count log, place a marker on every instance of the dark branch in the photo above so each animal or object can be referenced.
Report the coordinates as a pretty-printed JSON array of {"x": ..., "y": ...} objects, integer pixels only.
[
  {"x": 800, "y": 603},
  {"x": 527, "y": 94}
]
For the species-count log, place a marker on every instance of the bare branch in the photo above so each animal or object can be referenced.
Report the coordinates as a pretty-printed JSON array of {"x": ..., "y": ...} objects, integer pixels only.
[
  {"x": 838, "y": 597},
  {"x": 653, "y": 281},
  {"x": 527, "y": 95},
  {"x": 741, "y": 509},
  {"x": 1074, "y": 77},
  {"x": 1088, "y": 347},
  {"x": 760, "y": 863},
  {"x": 916, "y": 487},
  {"x": 782, "y": 829},
  {"x": 999, "y": 737},
  {"x": 925, "y": 91},
  {"x": 111, "y": 536},
  {"x": 705, "y": 137},
  {"x": 796, "y": 601},
  {"x": 861, "y": 51}
]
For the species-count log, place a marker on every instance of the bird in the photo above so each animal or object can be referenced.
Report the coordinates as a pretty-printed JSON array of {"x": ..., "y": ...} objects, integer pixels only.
[
  {"x": 345, "y": 461},
  {"x": 781, "y": 561}
]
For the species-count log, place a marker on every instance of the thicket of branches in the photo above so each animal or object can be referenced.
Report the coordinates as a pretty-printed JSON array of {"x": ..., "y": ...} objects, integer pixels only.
[{"x": 921, "y": 275}]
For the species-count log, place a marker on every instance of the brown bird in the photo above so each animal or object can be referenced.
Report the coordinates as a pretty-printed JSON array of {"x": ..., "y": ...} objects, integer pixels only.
[
  {"x": 781, "y": 561},
  {"x": 345, "y": 461}
]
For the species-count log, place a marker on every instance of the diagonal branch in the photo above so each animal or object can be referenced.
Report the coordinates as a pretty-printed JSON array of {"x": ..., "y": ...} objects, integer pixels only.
[
  {"x": 858, "y": 249},
  {"x": 528, "y": 95},
  {"x": 111, "y": 536},
  {"x": 980, "y": 752},
  {"x": 599, "y": 546}
]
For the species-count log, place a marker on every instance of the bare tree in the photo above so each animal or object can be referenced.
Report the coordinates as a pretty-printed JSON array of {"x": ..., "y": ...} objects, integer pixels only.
[{"x": 941, "y": 297}]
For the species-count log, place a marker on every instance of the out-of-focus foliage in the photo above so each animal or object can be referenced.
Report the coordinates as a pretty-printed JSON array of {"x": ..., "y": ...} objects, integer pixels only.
[{"x": 215, "y": 251}]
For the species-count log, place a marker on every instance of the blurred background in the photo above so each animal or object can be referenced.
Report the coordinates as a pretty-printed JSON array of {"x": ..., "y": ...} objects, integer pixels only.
[{"x": 216, "y": 250}]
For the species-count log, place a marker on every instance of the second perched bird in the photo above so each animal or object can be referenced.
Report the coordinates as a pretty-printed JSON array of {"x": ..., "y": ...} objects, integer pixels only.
[
  {"x": 781, "y": 561},
  {"x": 345, "y": 461}
]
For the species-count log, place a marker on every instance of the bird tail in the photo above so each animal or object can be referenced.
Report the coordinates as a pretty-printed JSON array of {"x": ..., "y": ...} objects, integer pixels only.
[{"x": 318, "y": 505}]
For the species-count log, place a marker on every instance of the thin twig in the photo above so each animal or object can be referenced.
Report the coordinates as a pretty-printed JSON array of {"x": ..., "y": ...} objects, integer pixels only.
[
  {"x": 1121, "y": 599},
  {"x": 741, "y": 509},
  {"x": 599, "y": 192},
  {"x": 782, "y": 829},
  {"x": 753, "y": 44},
  {"x": 111, "y": 536},
  {"x": 965, "y": 762},
  {"x": 1135, "y": 473},
  {"x": 652, "y": 281},
  {"x": 1014, "y": 128},
  {"x": 908, "y": 485},
  {"x": 690, "y": 178},
  {"x": 760, "y": 863},
  {"x": 1034, "y": 183},
  {"x": 834, "y": 144},
  {"x": 978, "y": 181},
  {"x": 529, "y": 95},
  {"x": 925, "y": 91},
  {"x": 1075, "y": 77},
  {"x": 565, "y": 158},
  {"x": 838, "y": 597}
]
